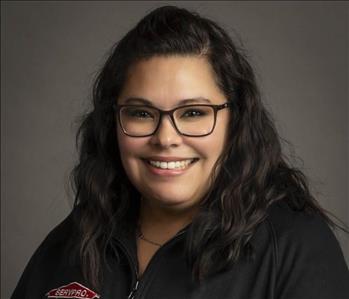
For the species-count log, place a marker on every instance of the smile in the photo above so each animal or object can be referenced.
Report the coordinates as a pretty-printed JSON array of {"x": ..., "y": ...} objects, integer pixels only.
[{"x": 172, "y": 164}]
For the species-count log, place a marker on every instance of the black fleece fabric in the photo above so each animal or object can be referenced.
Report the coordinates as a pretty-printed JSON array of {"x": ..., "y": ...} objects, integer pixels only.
[{"x": 297, "y": 256}]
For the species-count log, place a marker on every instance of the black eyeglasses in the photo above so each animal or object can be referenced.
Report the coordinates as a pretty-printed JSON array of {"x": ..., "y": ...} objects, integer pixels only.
[{"x": 189, "y": 120}]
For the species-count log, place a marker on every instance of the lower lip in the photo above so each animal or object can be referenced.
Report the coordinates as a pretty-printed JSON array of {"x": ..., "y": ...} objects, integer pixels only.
[{"x": 167, "y": 172}]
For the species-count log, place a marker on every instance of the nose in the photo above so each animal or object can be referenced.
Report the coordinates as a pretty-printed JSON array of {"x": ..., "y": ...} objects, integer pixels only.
[{"x": 166, "y": 135}]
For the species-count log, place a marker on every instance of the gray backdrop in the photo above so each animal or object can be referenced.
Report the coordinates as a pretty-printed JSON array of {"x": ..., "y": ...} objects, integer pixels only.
[{"x": 51, "y": 51}]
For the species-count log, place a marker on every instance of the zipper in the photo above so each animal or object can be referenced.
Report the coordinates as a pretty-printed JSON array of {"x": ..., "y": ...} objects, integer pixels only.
[
  {"x": 137, "y": 281},
  {"x": 132, "y": 265},
  {"x": 133, "y": 291}
]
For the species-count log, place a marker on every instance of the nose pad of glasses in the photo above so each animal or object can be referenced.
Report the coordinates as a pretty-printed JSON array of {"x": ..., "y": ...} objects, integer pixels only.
[{"x": 163, "y": 119}]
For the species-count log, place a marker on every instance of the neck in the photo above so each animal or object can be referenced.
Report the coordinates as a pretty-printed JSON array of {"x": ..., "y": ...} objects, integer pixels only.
[{"x": 161, "y": 224}]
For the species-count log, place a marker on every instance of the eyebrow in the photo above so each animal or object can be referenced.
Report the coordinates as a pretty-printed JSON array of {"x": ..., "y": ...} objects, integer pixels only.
[{"x": 179, "y": 103}]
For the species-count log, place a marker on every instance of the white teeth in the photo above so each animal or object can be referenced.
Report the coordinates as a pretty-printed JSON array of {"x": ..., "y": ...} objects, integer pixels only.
[{"x": 171, "y": 165}]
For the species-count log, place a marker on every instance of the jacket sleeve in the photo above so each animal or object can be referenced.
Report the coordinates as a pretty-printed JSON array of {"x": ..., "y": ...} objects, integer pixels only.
[
  {"x": 20, "y": 291},
  {"x": 310, "y": 263},
  {"x": 45, "y": 258}
]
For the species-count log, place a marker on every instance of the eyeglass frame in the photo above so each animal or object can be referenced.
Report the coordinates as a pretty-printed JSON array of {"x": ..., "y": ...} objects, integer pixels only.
[{"x": 117, "y": 108}]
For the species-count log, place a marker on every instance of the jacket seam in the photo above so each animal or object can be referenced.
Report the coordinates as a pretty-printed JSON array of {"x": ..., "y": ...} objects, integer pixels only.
[{"x": 275, "y": 247}]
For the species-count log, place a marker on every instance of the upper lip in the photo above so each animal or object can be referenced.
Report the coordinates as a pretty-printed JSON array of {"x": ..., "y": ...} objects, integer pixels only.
[{"x": 168, "y": 159}]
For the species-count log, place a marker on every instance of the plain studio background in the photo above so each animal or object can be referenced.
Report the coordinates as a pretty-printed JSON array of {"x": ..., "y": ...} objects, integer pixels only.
[{"x": 51, "y": 52}]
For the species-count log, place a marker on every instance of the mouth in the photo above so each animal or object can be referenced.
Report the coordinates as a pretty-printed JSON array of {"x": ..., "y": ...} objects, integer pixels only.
[{"x": 172, "y": 165}]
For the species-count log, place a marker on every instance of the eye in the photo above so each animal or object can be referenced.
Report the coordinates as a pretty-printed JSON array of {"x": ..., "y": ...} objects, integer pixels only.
[
  {"x": 138, "y": 113},
  {"x": 193, "y": 112}
]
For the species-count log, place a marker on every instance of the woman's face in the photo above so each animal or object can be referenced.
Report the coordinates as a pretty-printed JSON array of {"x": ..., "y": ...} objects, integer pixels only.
[{"x": 165, "y": 82}]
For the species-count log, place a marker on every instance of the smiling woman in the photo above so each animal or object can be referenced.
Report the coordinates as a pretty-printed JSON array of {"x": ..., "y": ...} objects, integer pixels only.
[
  {"x": 182, "y": 190},
  {"x": 172, "y": 171}
]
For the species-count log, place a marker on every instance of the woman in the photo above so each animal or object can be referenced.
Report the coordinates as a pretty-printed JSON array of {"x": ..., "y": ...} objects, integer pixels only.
[{"x": 182, "y": 190}]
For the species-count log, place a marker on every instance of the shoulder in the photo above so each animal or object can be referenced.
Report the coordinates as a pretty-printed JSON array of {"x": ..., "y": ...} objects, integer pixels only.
[
  {"x": 62, "y": 235},
  {"x": 57, "y": 251},
  {"x": 285, "y": 223},
  {"x": 300, "y": 230},
  {"x": 307, "y": 254},
  {"x": 59, "y": 241}
]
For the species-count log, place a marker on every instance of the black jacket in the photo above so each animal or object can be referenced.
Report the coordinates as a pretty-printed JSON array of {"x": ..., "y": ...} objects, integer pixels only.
[{"x": 297, "y": 257}]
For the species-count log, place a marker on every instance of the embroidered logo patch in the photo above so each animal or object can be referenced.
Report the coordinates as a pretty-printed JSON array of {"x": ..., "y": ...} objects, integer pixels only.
[{"x": 72, "y": 290}]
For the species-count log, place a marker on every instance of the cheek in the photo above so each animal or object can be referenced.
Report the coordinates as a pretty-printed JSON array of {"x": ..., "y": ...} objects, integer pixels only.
[
  {"x": 129, "y": 149},
  {"x": 211, "y": 146},
  {"x": 128, "y": 154},
  {"x": 127, "y": 145},
  {"x": 210, "y": 149}
]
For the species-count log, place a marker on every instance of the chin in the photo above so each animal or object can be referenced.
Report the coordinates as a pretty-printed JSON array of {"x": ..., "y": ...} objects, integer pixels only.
[{"x": 172, "y": 199}]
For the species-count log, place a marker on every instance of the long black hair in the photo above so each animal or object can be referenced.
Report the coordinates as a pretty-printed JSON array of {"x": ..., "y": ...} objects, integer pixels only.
[{"x": 253, "y": 172}]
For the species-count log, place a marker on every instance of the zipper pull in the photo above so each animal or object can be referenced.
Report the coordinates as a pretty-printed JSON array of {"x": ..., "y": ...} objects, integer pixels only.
[{"x": 133, "y": 291}]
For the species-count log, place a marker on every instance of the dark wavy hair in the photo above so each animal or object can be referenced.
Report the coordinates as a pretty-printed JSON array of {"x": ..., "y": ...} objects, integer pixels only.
[{"x": 252, "y": 174}]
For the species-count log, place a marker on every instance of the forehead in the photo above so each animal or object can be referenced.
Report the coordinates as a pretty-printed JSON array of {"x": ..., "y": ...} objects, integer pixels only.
[{"x": 166, "y": 80}]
